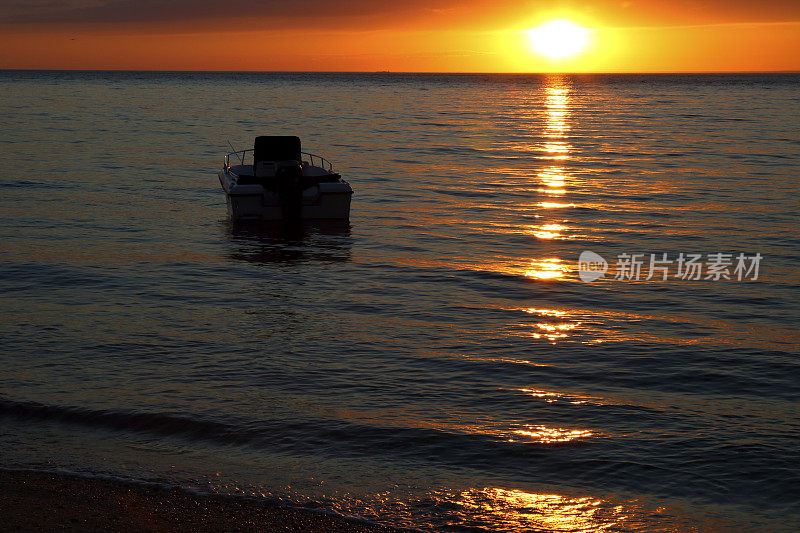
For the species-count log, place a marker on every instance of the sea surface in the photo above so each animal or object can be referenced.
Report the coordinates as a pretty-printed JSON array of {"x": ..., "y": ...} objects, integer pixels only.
[{"x": 438, "y": 361}]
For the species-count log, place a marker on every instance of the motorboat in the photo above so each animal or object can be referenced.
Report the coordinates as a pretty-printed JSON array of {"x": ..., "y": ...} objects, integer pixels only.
[{"x": 283, "y": 183}]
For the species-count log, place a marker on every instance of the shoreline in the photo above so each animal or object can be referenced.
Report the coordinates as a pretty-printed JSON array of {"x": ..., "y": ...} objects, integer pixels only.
[{"x": 44, "y": 501}]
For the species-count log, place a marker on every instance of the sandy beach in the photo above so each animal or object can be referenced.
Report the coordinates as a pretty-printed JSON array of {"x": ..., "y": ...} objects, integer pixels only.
[{"x": 35, "y": 501}]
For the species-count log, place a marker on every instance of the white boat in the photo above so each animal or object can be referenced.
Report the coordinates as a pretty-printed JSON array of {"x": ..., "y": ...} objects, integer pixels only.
[{"x": 283, "y": 183}]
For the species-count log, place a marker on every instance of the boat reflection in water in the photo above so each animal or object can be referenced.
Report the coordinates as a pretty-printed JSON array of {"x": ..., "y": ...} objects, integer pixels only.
[{"x": 297, "y": 242}]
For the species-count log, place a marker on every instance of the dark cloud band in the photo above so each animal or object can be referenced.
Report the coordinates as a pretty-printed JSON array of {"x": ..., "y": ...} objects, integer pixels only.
[{"x": 156, "y": 11}]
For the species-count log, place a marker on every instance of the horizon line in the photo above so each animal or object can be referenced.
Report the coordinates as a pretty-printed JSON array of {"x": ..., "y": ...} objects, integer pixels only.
[{"x": 20, "y": 69}]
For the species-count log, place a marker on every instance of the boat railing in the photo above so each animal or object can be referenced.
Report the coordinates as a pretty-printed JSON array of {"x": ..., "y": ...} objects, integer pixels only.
[
  {"x": 239, "y": 154},
  {"x": 313, "y": 159},
  {"x": 318, "y": 161}
]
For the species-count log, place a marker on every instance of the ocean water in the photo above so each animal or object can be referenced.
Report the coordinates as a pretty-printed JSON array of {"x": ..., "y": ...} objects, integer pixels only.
[{"x": 438, "y": 361}]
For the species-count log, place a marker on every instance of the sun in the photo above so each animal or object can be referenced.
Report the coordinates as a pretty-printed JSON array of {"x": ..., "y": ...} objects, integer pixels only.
[{"x": 558, "y": 39}]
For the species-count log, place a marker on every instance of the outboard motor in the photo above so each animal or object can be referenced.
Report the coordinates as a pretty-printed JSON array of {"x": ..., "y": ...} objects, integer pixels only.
[
  {"x": 289, "y": 175},
  {"x": 277, "y": 165}
]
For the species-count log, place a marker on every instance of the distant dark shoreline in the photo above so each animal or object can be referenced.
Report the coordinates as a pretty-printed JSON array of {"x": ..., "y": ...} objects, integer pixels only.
[{"x": 40, "y": 501}]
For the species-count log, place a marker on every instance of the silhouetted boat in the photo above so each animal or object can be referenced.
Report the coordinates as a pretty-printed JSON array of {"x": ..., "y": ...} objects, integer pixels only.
[{"x": 283, "y": 183}]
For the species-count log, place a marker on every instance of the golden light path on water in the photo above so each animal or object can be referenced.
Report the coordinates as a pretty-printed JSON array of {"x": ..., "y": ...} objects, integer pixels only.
[
  {"x": 548, "y": 231},
  {"x": 549, "y": 268},
  {"x": 517, "y": 510},
  {"x": 514, "y": 509},
  {"x": 504, "y": 509},
  {"x": 549, "y": 435},
  {"x": 555, "y": 150},
  {"x": 551, "y": 126}
]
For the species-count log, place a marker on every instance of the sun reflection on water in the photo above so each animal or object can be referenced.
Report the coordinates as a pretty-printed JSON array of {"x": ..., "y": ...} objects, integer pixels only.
[
  {"x": 554, "y": 331},
  {"x": 556, "y": 127},
  {"x": 550, "y": 435},
  {"x": 552, "y": 268},
  {"x": 553, "y": 227},
  {"x": 557, "y": 105},
  {"x": 550, "y": 122},
  {"x": 506, "y": 509},
  {"x": 553, "y": 397},
  {"x": 553, "y": 178},
  {"x": 549, "y": 231},
  {"x": 555, "y": 205},
  {"x": 552, "y": 324},
  {"x": 544, "y": 232},
  {"x": 515, "y": 510}
]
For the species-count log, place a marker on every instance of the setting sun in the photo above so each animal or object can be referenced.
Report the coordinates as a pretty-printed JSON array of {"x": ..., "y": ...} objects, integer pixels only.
[{"x": 558, "y": 39}]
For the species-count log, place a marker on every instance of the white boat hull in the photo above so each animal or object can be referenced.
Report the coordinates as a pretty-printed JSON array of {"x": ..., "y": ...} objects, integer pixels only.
[{"x": 252, "y": 201}]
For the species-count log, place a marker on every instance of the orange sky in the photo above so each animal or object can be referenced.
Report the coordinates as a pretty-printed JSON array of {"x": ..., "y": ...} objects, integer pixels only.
[{"x": 406, "y": 35}]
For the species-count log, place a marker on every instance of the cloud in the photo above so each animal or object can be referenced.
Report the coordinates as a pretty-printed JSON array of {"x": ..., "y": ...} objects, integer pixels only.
[
  {"x": 347, "y": 14},
  {"x": 164, "y": 11}
]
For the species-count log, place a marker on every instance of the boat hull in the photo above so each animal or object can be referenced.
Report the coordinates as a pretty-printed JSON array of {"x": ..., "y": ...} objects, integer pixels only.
[{"x": 321, "y": 201}]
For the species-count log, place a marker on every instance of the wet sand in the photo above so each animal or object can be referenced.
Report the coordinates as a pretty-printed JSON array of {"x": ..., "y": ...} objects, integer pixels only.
[{"x": 35, "y": 501}]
